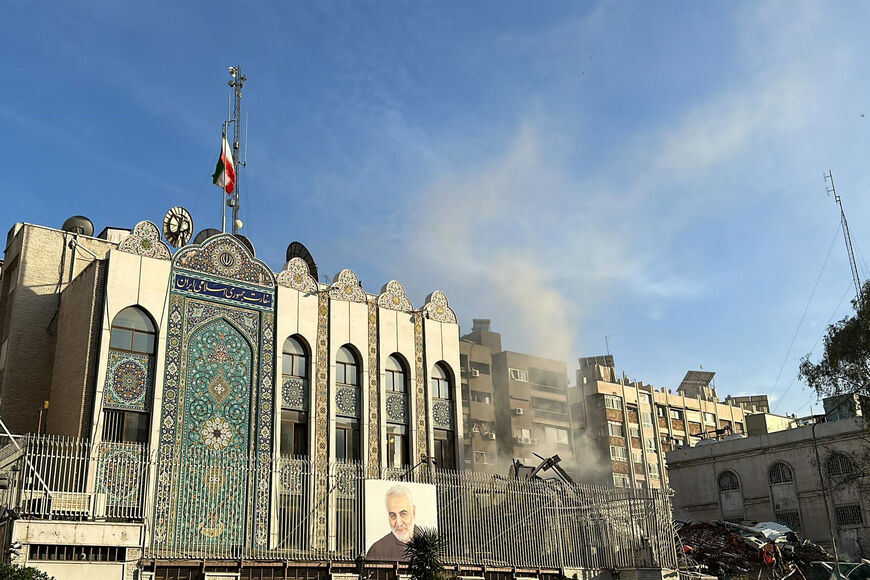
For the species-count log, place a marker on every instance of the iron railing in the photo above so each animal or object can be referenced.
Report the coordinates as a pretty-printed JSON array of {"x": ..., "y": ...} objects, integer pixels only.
[{"x": 316, "y": 512}]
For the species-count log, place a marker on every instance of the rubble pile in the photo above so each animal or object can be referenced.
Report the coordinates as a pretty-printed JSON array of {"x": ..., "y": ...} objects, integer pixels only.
[{"x": 727, "y": 550}]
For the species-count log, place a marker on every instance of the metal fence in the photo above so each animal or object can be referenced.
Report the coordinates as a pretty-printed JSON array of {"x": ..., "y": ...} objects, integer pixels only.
[{"x": 317, "y": 512}]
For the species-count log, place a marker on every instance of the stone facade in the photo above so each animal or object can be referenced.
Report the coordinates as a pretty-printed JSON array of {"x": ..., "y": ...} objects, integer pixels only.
[{"x": 776, "y": 477}]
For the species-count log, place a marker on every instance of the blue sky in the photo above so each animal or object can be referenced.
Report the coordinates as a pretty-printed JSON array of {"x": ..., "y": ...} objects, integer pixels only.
[{"x": 651, "y": 172}]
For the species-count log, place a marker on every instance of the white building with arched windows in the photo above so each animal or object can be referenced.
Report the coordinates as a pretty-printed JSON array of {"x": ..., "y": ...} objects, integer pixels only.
[{"x": 195, "y": 414}]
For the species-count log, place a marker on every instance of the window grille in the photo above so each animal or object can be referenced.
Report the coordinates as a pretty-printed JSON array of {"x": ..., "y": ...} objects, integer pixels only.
[
  {"x": 780, "y": 473},
  {"x": 78, "y": 553},
  {"x": 789, "y": 519},
  {"x": 848, "y": 515},
  {"x": 839, "y": 464},
  {"x": 728, "y": 481}
]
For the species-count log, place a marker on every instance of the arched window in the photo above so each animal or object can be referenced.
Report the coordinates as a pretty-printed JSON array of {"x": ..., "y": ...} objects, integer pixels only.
[
  {"x": 394, "y": 375},
  {"x": 728, "y": 481},
  {"x": 129, "y": 377},
  {"x": 779, "y": 473},
  {"x": 133, "y": 331},
  {"x": 839, "y": 465},
  {"x": 783, "y": 496},
  {"x": 295, "y": 359},
  {"x": 440, "y": 383},
  {"x": 347, "y": 397},
  {"x": 396, "y": 379},
  {"x": 294, "y": 398},
  {"x": 441, "y": 389}
]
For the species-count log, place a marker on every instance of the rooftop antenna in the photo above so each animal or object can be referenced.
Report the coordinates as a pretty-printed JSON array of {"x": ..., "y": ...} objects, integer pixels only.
[
  {"x": 236, "y": 82},
  {"x": 830, "y": 189}
]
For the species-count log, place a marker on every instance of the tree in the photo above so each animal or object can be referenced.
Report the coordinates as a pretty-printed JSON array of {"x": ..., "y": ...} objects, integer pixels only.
[
  {"x": 14, "y": 572},
  {"x": 425, "y": 552},
  {"x": 845, "y": 365}
]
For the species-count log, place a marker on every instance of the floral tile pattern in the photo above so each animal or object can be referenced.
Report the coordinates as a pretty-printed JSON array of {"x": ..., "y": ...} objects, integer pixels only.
[
  {"x": 346, "y": 286},
  {"x": 420, "y": 394},
  {"x": 393, "y": 297},
  {"x": 374, "y": 391},
  {"x": 129, "y": 379},
  {"x": 436, "y": 308},
  {"x": 145, "y": 241},
  {"x": 296, "y": 275}
]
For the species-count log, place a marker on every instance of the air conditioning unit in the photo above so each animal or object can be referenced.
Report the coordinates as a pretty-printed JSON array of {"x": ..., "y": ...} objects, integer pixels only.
[
  {"x": 475, "y": 429},
  {"x": 475, "y": 373},
  {"x": 532, "y": 441},
  {"x": 490, "y": 436},
  {"x": 518, "y": 411}
]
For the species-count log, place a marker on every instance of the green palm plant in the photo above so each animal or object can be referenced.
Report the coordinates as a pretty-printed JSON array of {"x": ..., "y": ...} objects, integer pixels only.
[{"x": 425, "y": 552}]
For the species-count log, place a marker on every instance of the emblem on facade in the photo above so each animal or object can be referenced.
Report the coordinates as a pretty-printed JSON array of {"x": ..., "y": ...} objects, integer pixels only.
[
  {"x": 145, "y": 241},
  {"x": 393, "y": 297},
  {"x": 346, "y": 286},
  {"x": 436, "y": 308},
  {"x": 296, "y": 276}
]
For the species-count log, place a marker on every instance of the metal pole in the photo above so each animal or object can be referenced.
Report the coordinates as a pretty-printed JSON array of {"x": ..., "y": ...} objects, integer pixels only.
[{"x": 825, "y": 499}]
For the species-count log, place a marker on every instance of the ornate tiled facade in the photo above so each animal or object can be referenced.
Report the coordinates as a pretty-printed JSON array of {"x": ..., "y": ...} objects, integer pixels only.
[
  {"x": 294, "y": 393},
  {"x": 145, "y": 241},
  {"x": 218, "y": 398},
  {"x": 436, "y": 308},
  {"x": 346, "y": 286},
  {"x": 420, "y": 367},
  {"x": 296, "y": 276},
  {"x": 129, "y": 377},
  {"x": 393, "y": 297},
  {"x": 374, "y": 458}
]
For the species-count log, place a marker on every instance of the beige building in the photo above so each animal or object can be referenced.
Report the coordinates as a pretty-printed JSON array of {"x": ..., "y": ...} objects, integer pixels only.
[
  {"x": 630, "y": 425},
  {"x": 517, "y": 401},
  {"x": 777, "y": 477}
]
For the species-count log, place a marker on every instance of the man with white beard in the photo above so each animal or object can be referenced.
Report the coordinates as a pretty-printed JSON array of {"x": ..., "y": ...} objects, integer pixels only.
[{"x": 401, "y": 512}]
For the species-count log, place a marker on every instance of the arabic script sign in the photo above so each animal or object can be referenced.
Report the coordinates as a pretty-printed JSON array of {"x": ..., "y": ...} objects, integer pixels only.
[{"x": 222, "y": 291}]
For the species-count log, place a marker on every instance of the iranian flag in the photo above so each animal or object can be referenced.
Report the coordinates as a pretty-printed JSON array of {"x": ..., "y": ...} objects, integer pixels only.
[{"x": 225, "y": 173}]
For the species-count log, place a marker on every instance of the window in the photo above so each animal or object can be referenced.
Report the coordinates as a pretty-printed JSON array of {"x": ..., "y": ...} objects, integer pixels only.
[
  {"x": 634, "y": 432},
  {"x": 294, "y": 361},
  {"x": 839, "y": 465},
  {"x": 651, "y": 444},
  {"x": 484, "y": 457},
  {"x": 790, "y": 519},
  {"x": 615, "y": 429},
  {"x": 440, "y": 383},
  {"x": 613, "y": 402},
  {"x": 653, "y": 470},
  {"x": 125, "y": 426},
  {"x": 556, "y": 435},
  {"x": 728, "y": 481},
  {"x": 481, "y": 397},
  {"x": 779, "y": 473},
  {"x": 294, "y": 433},
  {"x": 621, "y": 480},
  {"x": 646, "y": 419},
  {"x": 676, "y": 414},
  {"x": 637, "y": 455},
  {"x": 347, "y": 447},
  {"x": 394, "y": 375},
  {"x": 709, "y": 418},
  {"x": 618, "y": 453},
  {"x": 481, "y": 368},
  {"x": 445, "y": 454},
  {"x": 397, "y": 446},
  {"x": 646, "y": 398},
  {"x": 519, "y": 375},
  {"x": 848, "y": 515},
  {"x": 346, "y": 368},
  {"x": 132, "y": 331}
]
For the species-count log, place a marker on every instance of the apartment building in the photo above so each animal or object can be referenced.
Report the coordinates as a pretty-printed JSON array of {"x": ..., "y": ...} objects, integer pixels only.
[
  {"x": 519, "y": 402},
  {"x": 631, "y": 425}
]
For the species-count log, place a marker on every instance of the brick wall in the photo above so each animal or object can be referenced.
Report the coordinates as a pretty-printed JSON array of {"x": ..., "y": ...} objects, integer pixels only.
[
  {"x": 45, "y": 266},
  {"x": 75, "y": 360}
]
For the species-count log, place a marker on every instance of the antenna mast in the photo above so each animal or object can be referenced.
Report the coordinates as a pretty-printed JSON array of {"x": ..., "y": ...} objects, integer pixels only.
[
  {"x": 236, "y": 83},
  {"x": 832, "y": 190}
]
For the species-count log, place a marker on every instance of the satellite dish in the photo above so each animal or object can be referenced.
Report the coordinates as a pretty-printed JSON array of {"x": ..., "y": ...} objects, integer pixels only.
[
  {"x": 205, "y": 234},
  {"x": 79, "y": 224},
  {"x": 246, "y": 242},
  {"x": 297, "y": 250},
  {"x": 177, "y": 226}
]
